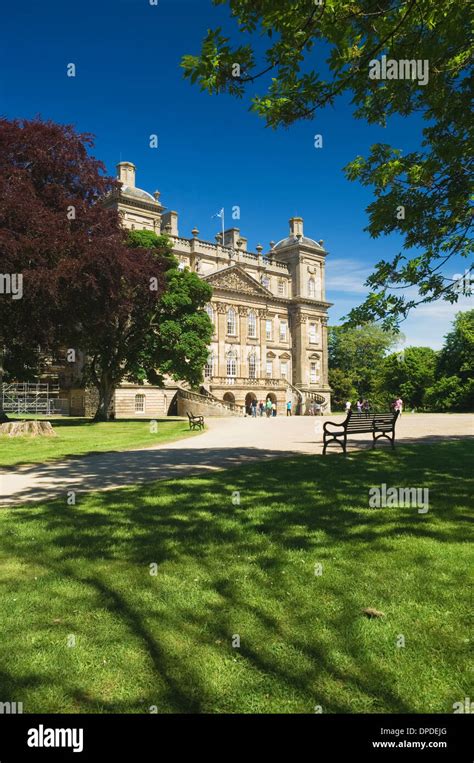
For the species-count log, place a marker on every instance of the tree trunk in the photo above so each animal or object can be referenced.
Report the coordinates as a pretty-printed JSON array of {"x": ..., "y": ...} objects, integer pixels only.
[{"x": 106, "y": 390}]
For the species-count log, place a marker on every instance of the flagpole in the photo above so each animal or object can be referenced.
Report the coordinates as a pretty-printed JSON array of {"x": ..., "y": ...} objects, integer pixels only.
[{"x": 222, "y": 227}]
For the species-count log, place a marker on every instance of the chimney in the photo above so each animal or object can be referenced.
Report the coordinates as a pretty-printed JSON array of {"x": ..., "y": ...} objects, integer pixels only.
[
  {"x": 296, "y": 226},
  {"x": 231, "y": 236},
  {"x": 169, "y": 223},
  {"x": 126, "y": 173}
]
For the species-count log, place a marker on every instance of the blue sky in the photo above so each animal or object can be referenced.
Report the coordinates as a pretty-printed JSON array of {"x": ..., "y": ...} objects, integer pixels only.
[{"x": 212, "y": 152}]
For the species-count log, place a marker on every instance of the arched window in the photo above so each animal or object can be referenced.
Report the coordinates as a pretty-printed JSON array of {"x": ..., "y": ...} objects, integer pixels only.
[
  {"x": 210, "y": 311},
  {"x": 311, "y": 288},
  {"x": 252, "y": 366},
  {"x": 209, "y": 367},
  {"x": 231, "y": 322},
  {"x": 231, "y": 364},
  {"x": 139, "y": 403},
  {"x": 252, "y": 325}
]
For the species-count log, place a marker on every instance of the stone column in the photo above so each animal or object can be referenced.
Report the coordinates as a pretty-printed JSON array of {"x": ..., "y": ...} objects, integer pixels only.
[
  {"x": 263, "y": 315},
  {"x": 243, "y": 333},
  {"x": 324, "y": 348},
  {"x": 300, "y": 358},
  {"x": 221, "y": 335}
]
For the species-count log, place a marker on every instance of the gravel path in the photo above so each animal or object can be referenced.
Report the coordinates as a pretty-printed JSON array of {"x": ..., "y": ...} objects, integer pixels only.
[{"x": 226, "y": 443}]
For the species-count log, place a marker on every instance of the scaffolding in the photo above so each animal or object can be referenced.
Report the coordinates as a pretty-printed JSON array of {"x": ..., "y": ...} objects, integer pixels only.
[{"x": 26, "y": 397}]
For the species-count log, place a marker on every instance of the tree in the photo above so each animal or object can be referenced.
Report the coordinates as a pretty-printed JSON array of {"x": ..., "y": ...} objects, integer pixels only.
[
  {"x": 50, "y": 226},
  {"x": 422, "y": 195},
  {"x": 151, "y": 324},
  {"x": 355, "y": 357},
  {"x": 457, "y": 356},
  {"x": 408, "y": 374},
  {"x": 342, "y": 387},
  {"x": 450, "y": 394}
]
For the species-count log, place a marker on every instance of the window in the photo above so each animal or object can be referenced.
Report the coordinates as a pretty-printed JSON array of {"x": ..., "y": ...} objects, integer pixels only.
[
  {"x": 252, "y": 325},
  {"x": 283, "y": 331},
  {"x": 281, "y": 288},
  {"x": 311, "y": 288},
  {"x": 209, "y": 367},
  {"x": 269, "y": 329},
  {"x": 269, "y": 368},
  {"x": 210, "y": 311},
  {"x": 231, "y": 364},
  {"x": 252, "y": 366},
  {"x": 231, "y": 322},
  {"x": 313, "y": 332},
  {"x": 314, "y": 372},
  {"x": 284, "y": 369},
  {"x": 266, "y": 282},
  {"x": 139, "y": 403}
]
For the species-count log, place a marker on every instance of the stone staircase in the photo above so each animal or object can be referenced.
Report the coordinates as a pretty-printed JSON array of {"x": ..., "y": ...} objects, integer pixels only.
[{"x": 204, "y": 403}]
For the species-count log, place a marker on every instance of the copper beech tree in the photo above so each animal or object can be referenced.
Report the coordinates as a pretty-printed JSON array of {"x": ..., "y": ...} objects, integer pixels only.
[{"x": 78, "y": 283}]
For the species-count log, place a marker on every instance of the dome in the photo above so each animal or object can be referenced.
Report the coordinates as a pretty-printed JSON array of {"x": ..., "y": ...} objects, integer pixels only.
[
  {"x": 137, "y": 193},
  {"x": 292, "y": 240}
]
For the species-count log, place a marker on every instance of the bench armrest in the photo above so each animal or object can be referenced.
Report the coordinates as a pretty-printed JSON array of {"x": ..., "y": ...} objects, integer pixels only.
[{"x": 333, "y": 424}]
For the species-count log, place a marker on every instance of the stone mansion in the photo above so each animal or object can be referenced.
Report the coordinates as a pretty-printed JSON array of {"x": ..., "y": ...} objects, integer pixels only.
[{"x": 269, "y": 312}]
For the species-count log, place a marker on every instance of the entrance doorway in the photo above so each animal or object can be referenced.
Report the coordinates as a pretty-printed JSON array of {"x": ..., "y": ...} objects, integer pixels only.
[{"x": 250, "y": 397}]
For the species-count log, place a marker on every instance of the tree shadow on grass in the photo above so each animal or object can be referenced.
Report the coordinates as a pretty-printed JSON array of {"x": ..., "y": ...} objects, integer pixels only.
[{"x": 241, "y": 552}]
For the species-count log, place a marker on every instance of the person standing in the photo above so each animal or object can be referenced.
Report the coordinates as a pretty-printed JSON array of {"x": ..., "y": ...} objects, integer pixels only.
[
  {"x": 268, "y": 408},
  {"x": 261, "y": 407},
  {"x": 274, "y": 409},
  {"x": 254, "y": 408},
  {"x": 348, "y": 406},
  {"x": 359, "y": 406},
  {"x": 288, "y": 408}
]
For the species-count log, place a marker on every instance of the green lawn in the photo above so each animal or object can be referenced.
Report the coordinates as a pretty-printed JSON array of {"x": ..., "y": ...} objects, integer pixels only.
[
  {"x": 77, "y": 436},
  {"x": 223, "y": 570}
]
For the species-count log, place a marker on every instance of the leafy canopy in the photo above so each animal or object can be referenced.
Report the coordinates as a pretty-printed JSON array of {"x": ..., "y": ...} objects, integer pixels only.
[{"x": 315, "y": 51}]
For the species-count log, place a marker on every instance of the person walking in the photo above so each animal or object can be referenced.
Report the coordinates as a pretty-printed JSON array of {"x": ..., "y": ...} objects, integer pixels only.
[
  {"x": 261, "y": 407},
  {"x": 268, "y": 408},
  {"x": 254, "y": 408},
  {"x": 359, "y": 406},
  {"x": 288, "y": 408},
  {"x": 274, "y": 409},
  {"x": 399, "y": 405},
  {"x": 348, "y": 406}
]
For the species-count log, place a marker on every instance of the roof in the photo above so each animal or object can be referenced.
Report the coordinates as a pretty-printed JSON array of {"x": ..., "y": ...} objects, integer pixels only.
[
  {"x": 292, "y": 240},
  {"x": 137, "y": 193}
]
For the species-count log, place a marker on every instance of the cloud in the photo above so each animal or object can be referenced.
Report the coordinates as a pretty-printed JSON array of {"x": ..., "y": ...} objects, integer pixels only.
[
  {"x": 346, "y": 275},
  {"x": 426, "y": 324}
]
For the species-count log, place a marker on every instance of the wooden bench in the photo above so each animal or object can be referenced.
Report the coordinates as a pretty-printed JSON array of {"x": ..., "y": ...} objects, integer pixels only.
[
  {"x": 195, "y": 422},
  {"x": 378, "y": 424}
]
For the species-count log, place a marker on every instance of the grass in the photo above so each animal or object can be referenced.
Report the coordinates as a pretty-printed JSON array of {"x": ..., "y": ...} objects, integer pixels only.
[
  {"x": 81, "y": 574},
  {"x": 78, "y": 436}
]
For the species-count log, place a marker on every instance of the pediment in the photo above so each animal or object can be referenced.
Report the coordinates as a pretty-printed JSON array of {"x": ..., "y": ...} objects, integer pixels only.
[{"x": 234, "y": 278}]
